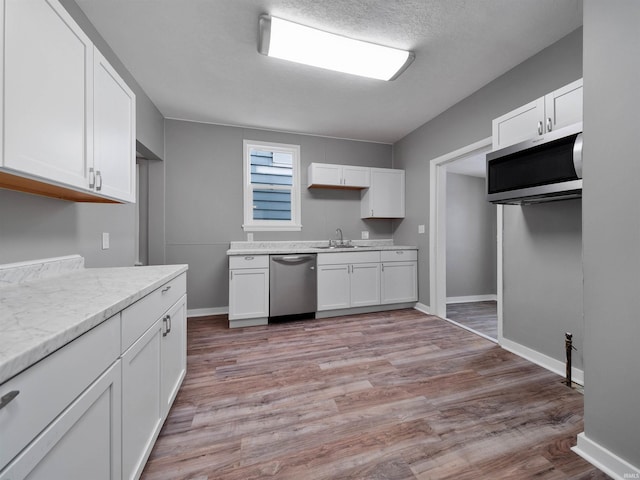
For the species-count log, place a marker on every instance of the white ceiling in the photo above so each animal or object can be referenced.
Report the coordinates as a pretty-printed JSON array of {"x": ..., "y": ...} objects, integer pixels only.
[
  {"x": 198, "y": 59},
  {"x": 473, "y": 165}
]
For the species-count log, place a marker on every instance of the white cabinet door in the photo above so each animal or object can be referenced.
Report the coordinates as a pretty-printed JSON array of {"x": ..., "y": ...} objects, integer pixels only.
[
  {"x": 324, "y": 174},
  {"x": 563, "y": 107},
  {"x": 399, "y": 282},
  {"x": 357, "y": 177},
  {"x": 385, "y": 196},
  {"x": 557, "y": 109},
  {"x": 248, "y": 293},
  {"x": 174, "y": 352},
  {"x": 114, "y": 133},
  {"x": 142, "y": 406},
  {"x": 47, "y": 92},
  {"x": 365, "y": 284},
  {"x": 83, "y": 441},
  {"x": 330, "y": 175},
  {"x": 518, "y": 125},
  {"x": 334, "y": 289}
]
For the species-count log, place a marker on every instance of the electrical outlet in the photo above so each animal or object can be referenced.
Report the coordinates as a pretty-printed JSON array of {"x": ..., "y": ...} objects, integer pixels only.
[
  {"x": 365, "y": 235},
  {"x": 105, "y": 240},
  {"x": 420, "y": 228}
]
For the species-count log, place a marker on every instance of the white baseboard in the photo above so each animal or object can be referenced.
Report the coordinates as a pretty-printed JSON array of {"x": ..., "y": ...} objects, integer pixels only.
[
  {"x": 556, "y": 366},
  {"x": 421, "y": 307},
  {"x": 605, "y": 460},
  {"x": 205, "y": 312},
  {"x": 473, "y": 298}
]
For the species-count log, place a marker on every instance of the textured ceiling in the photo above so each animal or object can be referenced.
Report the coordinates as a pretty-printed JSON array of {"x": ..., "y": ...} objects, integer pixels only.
[{"x": 198, "y": 60}]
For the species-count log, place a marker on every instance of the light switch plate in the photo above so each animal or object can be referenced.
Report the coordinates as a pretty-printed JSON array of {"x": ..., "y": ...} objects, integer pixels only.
[
  {"x": 105, "y": 240},
  {"x": 365, "y": 235},
  {"x": 420, "y": 228}
]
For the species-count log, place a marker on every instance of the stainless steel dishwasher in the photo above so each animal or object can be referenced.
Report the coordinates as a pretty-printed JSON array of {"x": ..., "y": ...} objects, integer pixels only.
[{"x": 292, "y": 285}]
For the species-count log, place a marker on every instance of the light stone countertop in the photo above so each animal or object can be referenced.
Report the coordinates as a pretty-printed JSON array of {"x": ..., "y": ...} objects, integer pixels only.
[
  {"x": 287, "y": 247},
  {"x": 39, "y": 316}
]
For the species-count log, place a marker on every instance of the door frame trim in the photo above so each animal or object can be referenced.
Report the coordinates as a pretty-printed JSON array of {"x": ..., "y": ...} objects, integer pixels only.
[{"x": 437, "y": 231}]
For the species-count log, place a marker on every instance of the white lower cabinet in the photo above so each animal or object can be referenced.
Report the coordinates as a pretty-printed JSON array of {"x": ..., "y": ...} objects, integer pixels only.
[
  {"x": 142, "y": 406},
  {"x": 152, "y": 370},
  {"x": 83, "y": 442},
  {"x": 248, "y": 290},
  {"x": 399, "y": 276},
  {"x": 347, "y": 280}
]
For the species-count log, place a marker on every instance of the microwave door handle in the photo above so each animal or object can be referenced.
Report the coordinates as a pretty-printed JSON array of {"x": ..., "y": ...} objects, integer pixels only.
[{"x": 577, "y": 155}]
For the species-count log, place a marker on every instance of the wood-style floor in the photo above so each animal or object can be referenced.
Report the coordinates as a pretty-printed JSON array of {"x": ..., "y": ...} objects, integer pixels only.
[
  {"x": 479, "y": 316},
  {"x": 392, "y": 395}
]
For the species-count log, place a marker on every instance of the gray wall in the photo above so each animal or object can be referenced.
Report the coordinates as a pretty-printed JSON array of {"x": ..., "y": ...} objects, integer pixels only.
[
  {"x": 470, "y": 121},
  {"x": 611, "y": 225},
  {"x": 471, "y": 238},
  {"x": 33, "y": 227},
  {"x": 203, "y": 199}
]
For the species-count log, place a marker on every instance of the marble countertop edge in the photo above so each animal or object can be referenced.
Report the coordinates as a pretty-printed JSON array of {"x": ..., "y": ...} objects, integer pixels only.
[{"x": 24, "y": 306}]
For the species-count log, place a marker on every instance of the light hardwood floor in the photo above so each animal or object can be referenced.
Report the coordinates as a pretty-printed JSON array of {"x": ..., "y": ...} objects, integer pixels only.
[
  {"x": 392, "y": 395},
  {"x": 479, "y": 316}
]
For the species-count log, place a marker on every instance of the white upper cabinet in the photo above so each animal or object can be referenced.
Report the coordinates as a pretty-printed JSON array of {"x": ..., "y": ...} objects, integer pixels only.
[
  {"x": 337, "y": 176},
  {"x": 114, "y": 110},
  {"x": 385, "y": 196},
  {"x": 558, "y": 109},
  {"x": 67, "y": 127},
  {"x": 47, "y": 91}
]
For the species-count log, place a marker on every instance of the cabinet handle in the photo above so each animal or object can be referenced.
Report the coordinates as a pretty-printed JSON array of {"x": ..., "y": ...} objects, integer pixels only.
[
  {"x": 98, "y": 177},
  {"x": 372, "y": 212},
  {"x": 549, "y": 124},
  {"x": 248, "y": 258},
  {"x": 92, "y": 178},
  {"x": 6, "y": 399},
  {"x": 169, "y": 323},
  {"x": 383, "y": 267},
  {"x": 399, "y": 252},
  {"x": 166, "y": 289},
  {"x": 540, "y": 127},
  {"x": 230, "y": 274},
  {"x": 165, "y": 328}
]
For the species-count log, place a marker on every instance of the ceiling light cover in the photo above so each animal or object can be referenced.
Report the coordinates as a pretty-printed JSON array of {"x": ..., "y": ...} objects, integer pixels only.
[{"x": 297, "y": 43}]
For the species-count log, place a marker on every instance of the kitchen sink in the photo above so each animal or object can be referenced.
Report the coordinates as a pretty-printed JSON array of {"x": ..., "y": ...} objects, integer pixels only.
[{"x": 333, "y": 247}]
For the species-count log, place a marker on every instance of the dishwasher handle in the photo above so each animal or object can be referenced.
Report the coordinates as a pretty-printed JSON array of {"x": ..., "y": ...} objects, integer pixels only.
[{"x": 292, "y": 259}]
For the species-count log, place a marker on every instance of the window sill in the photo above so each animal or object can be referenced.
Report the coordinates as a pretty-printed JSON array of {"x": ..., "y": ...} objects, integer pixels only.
[{"x": 272, "y": 228}]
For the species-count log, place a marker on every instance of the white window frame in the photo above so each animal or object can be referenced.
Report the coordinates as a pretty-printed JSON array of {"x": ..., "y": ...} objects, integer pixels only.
[{"x": 251, "y": 225}]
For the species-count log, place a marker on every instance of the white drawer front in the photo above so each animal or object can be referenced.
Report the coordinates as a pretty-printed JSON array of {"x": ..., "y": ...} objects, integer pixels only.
[
  {"x": 49, "y": 386},
  {"x": 137, "y": 318},
  {"x": 399, "y": 255},
  {"x": 340, "y": 258},
  {"x": 248, "y": 261}
]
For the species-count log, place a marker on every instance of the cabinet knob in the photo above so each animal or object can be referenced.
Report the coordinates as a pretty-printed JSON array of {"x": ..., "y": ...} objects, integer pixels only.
[{"x": 6, "y": 399}]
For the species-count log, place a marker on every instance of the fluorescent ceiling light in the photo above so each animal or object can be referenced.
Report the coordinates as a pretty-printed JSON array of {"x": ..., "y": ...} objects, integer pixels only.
[{"x": 291, "y": 41}]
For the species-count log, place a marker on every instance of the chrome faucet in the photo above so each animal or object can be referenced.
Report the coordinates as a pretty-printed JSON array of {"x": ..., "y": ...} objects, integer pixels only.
[{"x": 339, "y": 232}]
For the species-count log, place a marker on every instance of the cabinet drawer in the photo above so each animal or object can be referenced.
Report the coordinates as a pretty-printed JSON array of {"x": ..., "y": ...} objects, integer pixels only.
[
  {"x": 48, "y": 387},
  {"x": 249, "y": 261},
  {"x": 137, "y": 318},
  {"x": 341, "y": 258},
  {"x": 399, "y": 255}
]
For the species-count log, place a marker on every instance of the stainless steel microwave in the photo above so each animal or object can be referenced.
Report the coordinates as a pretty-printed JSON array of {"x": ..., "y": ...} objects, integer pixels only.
[{"x": 543, "y": 169}]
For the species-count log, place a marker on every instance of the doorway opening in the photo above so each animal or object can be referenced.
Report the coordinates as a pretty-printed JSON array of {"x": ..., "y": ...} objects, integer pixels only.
[{"x": 465, "y": 244}]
